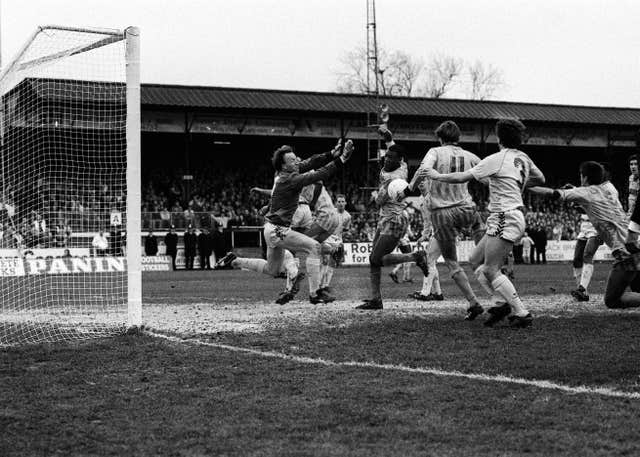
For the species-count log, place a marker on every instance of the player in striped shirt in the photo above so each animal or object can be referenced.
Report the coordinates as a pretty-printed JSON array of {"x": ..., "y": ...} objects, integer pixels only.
[
  {"x": 452, "y": 209},
  {"x": 600, "y": 201},
  {"x": 507, "y": 172},
  {"x": 392, "y": 223}
]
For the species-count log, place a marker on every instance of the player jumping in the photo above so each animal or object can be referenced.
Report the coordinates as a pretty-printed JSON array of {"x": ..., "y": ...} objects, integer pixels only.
[
  {"x": 392, "y": 223},
  {"x": 292, "y": 175}
]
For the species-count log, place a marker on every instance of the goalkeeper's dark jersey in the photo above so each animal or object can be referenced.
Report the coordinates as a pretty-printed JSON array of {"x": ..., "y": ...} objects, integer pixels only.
[{"x": 287, "y": 186}]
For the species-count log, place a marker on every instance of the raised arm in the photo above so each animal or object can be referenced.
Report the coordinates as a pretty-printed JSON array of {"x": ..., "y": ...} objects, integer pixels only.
[
  {"x": 310, "y": 177},
  {"x": 320, "y": 160}
]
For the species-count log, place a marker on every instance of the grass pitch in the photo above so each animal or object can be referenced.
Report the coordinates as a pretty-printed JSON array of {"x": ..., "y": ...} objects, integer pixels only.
[{"x": 331, "y": 380}]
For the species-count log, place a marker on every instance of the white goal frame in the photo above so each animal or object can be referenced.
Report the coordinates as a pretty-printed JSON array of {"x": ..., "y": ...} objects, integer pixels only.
[{"x": 131, "y": 36}]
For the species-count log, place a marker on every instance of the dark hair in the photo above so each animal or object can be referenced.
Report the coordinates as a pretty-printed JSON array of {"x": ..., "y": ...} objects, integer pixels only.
[
  {"x": 448, "y": 132},
  {"x": 341, "y": 196},
  {"x": 399, "y": 150},
  {"x": 593, "y": 171},
  {"x": 510, "y": 132},
  {"x": 634, "y": 157},
  {"x": 278, "y": 156}
]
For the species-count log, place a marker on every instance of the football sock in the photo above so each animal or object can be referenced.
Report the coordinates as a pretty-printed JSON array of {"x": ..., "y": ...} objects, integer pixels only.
[
  {"x": 507, "y": 291},
  {"x": 427, "y": 282},
  {"x": 374, "y": 273},
  {"x": 433, "y": 273},
  {"x": 323, "y": 272},
  {"x": 577, "y": 274},
  {"x": 313, "y": 270},
  {"x": 257, "y": 265},
  {"x": 289, "y": 264},
  {"x": 396, "y": 268},
  {"x": 328, "y": 275},
  {"x": 587, "y": 272},
  {"x": 436, "y": 282},
  {"x": 406, "y": 268}
]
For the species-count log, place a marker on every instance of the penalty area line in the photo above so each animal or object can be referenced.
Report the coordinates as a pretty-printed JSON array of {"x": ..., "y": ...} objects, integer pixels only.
[{"x": 540, "y": 384}]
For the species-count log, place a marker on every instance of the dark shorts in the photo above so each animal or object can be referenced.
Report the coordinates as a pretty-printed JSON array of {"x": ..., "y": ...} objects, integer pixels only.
[{"x": 395, "y": 226}]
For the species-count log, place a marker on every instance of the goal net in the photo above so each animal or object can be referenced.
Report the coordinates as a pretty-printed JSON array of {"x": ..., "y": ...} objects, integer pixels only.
[{"x": 70, "y": 105}]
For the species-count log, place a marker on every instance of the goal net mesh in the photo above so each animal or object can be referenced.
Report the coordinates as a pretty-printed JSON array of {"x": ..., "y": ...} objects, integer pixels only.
[{"x": 63, "y": 181}]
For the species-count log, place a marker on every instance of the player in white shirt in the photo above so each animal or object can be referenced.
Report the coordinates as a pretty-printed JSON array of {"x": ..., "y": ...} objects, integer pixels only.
[
  {"x": 587, "y": 243},
  {"x": 600, "y": 201},
  {"x": 507, "y": 172},
  {"x": 452, "y": 208},
  {"x": 333, "y": 260}
]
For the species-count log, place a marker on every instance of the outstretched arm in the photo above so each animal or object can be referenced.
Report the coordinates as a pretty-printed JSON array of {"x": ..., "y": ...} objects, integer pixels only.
[
  {"x": 453, "y": 178},
  {"x": 261, "y": 191}
]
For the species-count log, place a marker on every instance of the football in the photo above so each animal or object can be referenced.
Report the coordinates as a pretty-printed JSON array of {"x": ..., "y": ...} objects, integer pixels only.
[{"x": 395, "y": 187}]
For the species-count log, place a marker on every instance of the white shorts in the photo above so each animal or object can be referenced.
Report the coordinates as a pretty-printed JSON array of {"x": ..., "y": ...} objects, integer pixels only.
[
  {"x": 507, "y": 225},
  {"x": 586, "y": 234},
  {"x": 274, "y": 235},
  {"x": 334, "y": 242},
  {"x": 302, "y": 218},
  {"x": 328, "y": 221}
]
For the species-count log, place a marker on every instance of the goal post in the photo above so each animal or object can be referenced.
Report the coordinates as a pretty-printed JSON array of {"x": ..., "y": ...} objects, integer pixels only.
[
  {"x": 134, "y": 178},
  {"x": 70, "y": 221}
]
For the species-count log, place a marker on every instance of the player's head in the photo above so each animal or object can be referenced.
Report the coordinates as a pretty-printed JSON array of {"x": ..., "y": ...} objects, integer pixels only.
[
  {"x": 510, "y": 132},
  {"x": 424, "y": 186},
  {"x": 633, "y": 165},
  {"x": 341, "y": 202},
  {"x": 284, "y": 159},
  {"x": 448, "y": 132},
  {"x": 392, "y": 157},
  {"x": 591, "y": 173}
]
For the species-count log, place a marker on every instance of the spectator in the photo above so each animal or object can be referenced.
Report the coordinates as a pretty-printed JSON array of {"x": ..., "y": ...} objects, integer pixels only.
[
  {"x": 540, "y": 241},
  {"x": 189, "y": 247},
  {"x": 517, "y": 252},
  {"x": 150, "y": 244},
  {"x": 100, "y": 244},
  {"x": 218, "y": 242},
  {"x": 527, "y": 248},
  {"x": 171, "y": 243},
  {"x": 115, "y": 242},
  {"x": 204, "y": 249}
]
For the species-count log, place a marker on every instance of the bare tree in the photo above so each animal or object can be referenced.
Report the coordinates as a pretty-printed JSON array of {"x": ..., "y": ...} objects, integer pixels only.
[
  {"x": 352, "y": 78},
  {"x": 442, "y": 72},
  {"x": 397, "y": 73},
  {"x": 484, "y": 80},
  {"x": 403, "y": 75}
]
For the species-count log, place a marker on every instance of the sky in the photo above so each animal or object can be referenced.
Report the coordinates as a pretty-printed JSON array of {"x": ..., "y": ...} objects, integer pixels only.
[{"x": 577, "y": 52}]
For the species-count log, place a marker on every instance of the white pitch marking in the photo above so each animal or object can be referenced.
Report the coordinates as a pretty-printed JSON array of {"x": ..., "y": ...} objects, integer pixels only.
[{"x": 541, "y": 384}]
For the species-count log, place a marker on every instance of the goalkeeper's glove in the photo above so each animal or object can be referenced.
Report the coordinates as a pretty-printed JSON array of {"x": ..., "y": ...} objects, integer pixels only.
[{"x": 385, "y": 133}]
